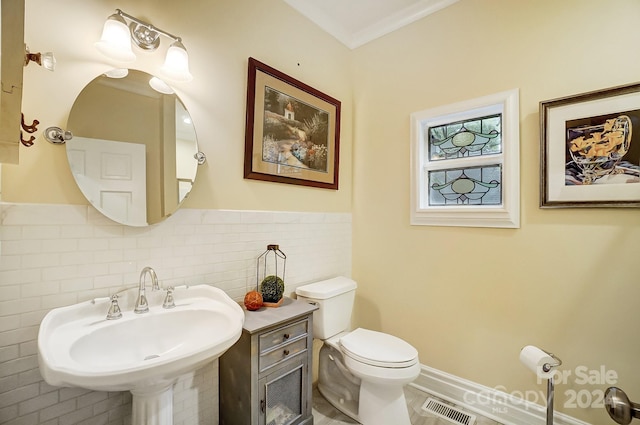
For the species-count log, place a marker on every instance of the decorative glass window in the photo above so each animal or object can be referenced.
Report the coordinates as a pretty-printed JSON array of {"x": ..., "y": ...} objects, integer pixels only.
[{"x": 465, "y": 163}]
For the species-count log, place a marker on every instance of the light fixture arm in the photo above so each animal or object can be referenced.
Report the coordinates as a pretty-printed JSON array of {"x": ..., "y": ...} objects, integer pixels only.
[{"x": 153, "y": 29}]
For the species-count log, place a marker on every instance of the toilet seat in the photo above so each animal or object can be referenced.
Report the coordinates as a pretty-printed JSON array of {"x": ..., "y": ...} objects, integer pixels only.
[{"x": 378, "y": 349}]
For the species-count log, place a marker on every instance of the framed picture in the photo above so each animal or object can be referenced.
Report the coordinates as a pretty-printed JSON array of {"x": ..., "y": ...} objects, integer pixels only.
[
  {"x": 292, "y": 131},
  {"x": 590, "y": 154}
]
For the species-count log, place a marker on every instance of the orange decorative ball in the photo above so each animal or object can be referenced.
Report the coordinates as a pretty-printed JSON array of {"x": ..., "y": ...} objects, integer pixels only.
[{"x": 253, "y": 300}]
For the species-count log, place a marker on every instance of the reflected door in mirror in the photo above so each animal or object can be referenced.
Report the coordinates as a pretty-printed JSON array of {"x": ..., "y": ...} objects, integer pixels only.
[{"x": 113, "y": 177}]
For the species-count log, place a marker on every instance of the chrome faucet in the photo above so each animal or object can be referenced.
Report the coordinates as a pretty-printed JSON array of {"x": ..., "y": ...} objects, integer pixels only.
[
  {"x": 114, "y": 309},
  {"x": 141, "y": 303}
]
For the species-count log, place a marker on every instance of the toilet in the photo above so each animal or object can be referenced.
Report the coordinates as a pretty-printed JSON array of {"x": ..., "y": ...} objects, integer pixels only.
[{"x": 360, "y": 372}]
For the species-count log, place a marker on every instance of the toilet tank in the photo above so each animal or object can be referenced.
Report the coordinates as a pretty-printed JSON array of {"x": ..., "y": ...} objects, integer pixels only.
[{"x": 334, "y": 298}]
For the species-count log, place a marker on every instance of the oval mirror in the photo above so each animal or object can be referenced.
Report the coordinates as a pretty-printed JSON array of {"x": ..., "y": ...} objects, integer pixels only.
[{"x": 133, "y": 150}]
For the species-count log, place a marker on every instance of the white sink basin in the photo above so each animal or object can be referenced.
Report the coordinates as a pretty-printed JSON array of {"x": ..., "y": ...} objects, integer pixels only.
[{"x": 78, "y": 347}]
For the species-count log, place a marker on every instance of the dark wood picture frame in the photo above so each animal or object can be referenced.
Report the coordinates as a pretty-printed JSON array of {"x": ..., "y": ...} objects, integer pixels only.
[
  {"x": 590, "y": 149},
  {"x": 292, "y": 130}
]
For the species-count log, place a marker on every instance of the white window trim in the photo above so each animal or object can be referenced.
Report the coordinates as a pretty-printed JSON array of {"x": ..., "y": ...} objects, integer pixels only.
[{"x": 506, "y": 215}]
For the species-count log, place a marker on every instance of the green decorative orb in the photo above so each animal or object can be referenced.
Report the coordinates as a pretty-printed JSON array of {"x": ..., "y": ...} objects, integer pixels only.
[{"x": 272, "y": 289}]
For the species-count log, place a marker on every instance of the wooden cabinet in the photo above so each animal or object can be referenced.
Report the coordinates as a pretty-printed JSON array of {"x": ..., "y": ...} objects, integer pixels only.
[
  {"x": 265, "y": 377},
  {"x": 11, "y": 64}
]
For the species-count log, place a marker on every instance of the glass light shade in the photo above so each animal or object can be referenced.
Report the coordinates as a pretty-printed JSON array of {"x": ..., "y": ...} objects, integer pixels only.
[
  {"x": 48, "y": 61},
  {"x": 115, "y": 42},
  {"x": 117, "y": 73},
  {"x": 176, "y": 64},
  {"x": 160, "y": 86}
]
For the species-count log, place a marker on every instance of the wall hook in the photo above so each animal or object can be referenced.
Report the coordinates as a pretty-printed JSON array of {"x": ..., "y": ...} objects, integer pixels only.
[
  {"x": 27, "y": 143},
  {"x": 29, "y": 128},
  {"x": 57, "y": 136}
]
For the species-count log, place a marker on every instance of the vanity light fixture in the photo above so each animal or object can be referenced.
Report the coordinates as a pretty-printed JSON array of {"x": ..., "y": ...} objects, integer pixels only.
[
  {"x": 176, "y": 63},
  {"x": 45, "y": 60},
  {"x": 117, "y": 35},
  {"x": 115, "y": 42}
]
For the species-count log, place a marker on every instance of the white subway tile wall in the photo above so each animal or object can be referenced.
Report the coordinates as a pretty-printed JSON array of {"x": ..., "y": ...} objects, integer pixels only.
[{"x": 56, "y": 255}]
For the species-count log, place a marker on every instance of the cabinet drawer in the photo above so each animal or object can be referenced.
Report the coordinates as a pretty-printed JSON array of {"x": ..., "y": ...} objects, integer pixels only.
[
  {"x": 281, "y": 353},
  {"x": 281, "y": 335}
]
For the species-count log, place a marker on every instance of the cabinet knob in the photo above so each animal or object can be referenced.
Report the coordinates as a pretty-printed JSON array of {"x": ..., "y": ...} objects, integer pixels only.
[
  {"x": 286, "y": 352},
  {"x": 286, "y": 336}
]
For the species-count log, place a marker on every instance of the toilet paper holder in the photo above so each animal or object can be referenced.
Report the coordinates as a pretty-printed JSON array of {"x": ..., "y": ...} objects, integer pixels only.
[
  {"x": 546, "y": 367},
  {"x": 539, "y": 361}
]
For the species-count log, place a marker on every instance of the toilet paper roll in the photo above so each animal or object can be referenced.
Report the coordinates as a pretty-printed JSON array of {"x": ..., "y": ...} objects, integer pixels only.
[{"x": 535, "y": 358}]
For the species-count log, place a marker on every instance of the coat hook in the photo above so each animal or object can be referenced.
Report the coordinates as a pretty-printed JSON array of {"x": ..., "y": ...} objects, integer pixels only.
[
  {"x": 29, "y": 128},
  {"x": 27, "y": 143}
]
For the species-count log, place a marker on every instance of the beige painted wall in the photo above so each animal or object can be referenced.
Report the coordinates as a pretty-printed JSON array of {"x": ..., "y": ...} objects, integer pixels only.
[
  {"x": 220, "y": 36},
  {"x": 470, "y": 299}
]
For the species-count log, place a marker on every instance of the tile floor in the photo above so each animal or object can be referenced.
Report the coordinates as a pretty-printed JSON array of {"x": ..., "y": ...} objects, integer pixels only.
[{"x": 325, "y": 414}]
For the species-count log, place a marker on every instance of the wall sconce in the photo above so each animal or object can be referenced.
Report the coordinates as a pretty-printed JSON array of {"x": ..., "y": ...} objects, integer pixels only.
[
  {"x": 117, "y": 35},
  {"x": 46, "y": 60}
]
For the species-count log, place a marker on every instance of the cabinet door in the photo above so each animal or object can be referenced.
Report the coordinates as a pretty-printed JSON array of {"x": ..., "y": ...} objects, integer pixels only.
[
  {"x": 283, "y": 395},
  {"x": 11, "y": 65}
]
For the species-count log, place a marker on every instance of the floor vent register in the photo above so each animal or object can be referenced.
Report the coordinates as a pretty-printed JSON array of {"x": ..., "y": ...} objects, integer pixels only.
[{"x": 449, "y": 413}]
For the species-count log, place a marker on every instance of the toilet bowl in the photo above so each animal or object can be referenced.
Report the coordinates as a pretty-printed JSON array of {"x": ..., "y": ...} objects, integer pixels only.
[{"x": 361, "y": 372}]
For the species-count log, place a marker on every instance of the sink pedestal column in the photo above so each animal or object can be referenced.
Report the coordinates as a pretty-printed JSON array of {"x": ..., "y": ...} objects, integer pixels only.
[{"x": 152, "y": 406}]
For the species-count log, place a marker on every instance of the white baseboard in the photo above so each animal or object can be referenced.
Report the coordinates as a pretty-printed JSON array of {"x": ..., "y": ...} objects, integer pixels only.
[{"x": 488, "y": 402}]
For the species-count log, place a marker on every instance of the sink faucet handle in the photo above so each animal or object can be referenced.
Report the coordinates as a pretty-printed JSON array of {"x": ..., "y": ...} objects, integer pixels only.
[
  {"x": 168, "y": 301},
  {"x": 114, "y": 310}
]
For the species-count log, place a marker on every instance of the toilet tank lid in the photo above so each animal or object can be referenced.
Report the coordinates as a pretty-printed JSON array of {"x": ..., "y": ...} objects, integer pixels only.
[{"x": 327, "y": 288}]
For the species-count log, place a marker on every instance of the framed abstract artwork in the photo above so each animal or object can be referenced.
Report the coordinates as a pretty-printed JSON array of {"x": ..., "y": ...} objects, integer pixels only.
[
  {"x": 292, "y": 130},
  {"x": 590, "y": 149}
]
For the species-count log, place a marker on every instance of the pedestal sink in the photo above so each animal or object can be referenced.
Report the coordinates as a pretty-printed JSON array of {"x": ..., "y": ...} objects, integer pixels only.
[{"x": 142, "y": 353}]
